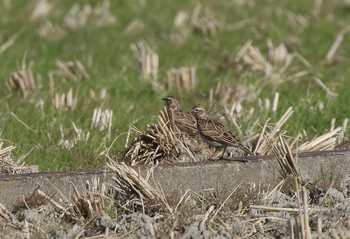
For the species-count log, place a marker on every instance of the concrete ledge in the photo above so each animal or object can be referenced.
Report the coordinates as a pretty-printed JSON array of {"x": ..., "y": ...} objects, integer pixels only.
[{"x": 177, "y": 178}]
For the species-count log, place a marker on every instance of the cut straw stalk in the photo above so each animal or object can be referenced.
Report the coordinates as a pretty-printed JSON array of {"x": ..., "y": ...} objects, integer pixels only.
[
  {"x": 6, "y": 152},
  {"x": 96, "y": 16},
  {"x": 10, "y": 41},
  {"x": 281, "y": 121},
  {"x": 288, "y": 165},
  {"x": 243, "y": 50},
  {"x": 343, "y": 130},
  {"x": 52, "y": 201},
  {"x": 148, "y": 62},
  {"x": 285, "y": 158},
  {"x": 301, "y": 196},
  {"x": 324, "y": 87},
  {"x": 128, "y": 177},
  {"x": 277, "y": 61},
  {"x": 158, "y": 142},
  {"x": 326, "y": 139},
  {"x": 71, "y": 70},
  {"x": 102, "y": 119},
  {"x": 332, "y": 51},
  {"x": 181, "y": 78},
  {"x": 275, "y": 102},
  {"x": 332, "y": 124},
  {"x": 281, "y": 209},
  {"x": 306, "y": 214},
  {"x": 265, "y": 137},
  {"x": 23, "y": 81},
  {"x": 336, "y": 44},
  {"x": 65, "y": 101},
  {"x": 42, "y": 8}
]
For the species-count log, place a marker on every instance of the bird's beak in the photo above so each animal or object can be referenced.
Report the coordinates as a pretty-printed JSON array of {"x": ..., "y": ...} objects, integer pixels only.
[{"x": 164, "y": 99}]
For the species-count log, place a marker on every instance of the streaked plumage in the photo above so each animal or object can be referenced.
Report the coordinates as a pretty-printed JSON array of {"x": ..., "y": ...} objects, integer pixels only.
[
  {"x": 214, "y": 133},
  {"x": 184, "y": 121}
]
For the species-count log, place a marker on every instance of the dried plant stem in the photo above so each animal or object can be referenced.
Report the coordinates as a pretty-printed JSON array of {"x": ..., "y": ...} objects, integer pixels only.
[
  {"x": 275, "y": 102},
  {"x": 19, "y": 120},
  {"x": 53, "y": 202},
  {"x": 281, "y": 121},
  {"x": 331, "y": 53},
  {"x": 319, "y": 228},
  {"x": 314, "y": 144},
  {"x": 10, "y": 41},
  {"x": 324, "y": 87},
  {"x": 281, "y": 209},
  {"x": 306, "y": 214},
  {"x": 127, "y": 175}
]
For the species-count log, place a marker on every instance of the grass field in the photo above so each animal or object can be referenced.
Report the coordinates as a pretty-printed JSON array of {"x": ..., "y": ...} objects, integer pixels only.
[{"x": 206, "y": 35}]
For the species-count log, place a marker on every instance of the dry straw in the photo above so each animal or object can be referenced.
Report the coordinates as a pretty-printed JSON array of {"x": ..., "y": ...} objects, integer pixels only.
[
  {"x": 290, "y": 172},
  {"x": 88, "y": 16},
  {"x": 331, "y": 54},
  {"x": 70, "y": 70},
  {"x": 323, "y": 142},
  {"x": 8, "y": 166},
  {"x": 183, "y": 78},
  {"x": 42, "y": 9},
  {"x": 129, "y": 182},
  {"x": 65, "y": 101},
  {"x": 102, "y": 119},
  {"x": 148, "y": 62},
  {"x": 276, "y": 63},
  {"x": 22, "y": 81},
  {"x": 207, "y": 24},
  {"x": 9, "y": 219},
  {"x": 157, "y": 142},
  {"x": 48, "y": 30},
  {"x": 69, "y": 140},
  {"x": 6, "y": 45}
]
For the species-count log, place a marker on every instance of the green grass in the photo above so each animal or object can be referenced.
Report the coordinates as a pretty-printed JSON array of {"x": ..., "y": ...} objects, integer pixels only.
[{"x": 106, "y": 54}]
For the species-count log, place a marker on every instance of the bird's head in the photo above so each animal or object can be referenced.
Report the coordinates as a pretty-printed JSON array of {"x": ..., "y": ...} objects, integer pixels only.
[
  {"x": 199, "y": 111},
  {"x": 171, "y": 102}
]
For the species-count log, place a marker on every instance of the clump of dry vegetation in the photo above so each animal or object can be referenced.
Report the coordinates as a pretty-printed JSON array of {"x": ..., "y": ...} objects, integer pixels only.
[
  {"x": 148, "y": 62},
  {"x": 160, "y": 142},
  {"x": 23, "y": 81},
  {"x": 89, "y": 16},
  {"x": 69, "y": 139},
  {"x": 64, "y": 101},
  {"x": 71, "y": 70},
  {"x": 8, "y": 166},
  {"x": 181, "y": 78}
]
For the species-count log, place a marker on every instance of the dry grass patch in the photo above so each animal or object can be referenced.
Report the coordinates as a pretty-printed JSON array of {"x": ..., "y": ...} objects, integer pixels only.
[
  {"x": 22, "y": 81},
  {"x": 8, "y": 166}
]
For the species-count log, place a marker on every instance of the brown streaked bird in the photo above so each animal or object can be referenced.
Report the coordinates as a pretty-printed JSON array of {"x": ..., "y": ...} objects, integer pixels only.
[
  {"x": 214, "y": 133},
  {"x": 183, "y": 120}
]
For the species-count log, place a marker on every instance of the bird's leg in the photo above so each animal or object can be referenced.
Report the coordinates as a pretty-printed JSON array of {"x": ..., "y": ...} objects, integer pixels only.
[{"x": 223, "y": 152}]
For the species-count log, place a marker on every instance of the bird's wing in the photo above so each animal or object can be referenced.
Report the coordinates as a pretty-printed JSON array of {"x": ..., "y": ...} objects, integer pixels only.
[
  {"x": 186, "y": 120},
  {"x": 228, "y": 138},
  {"x": 212, "y": 129},
  {"x": 219, "y": 133}
]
